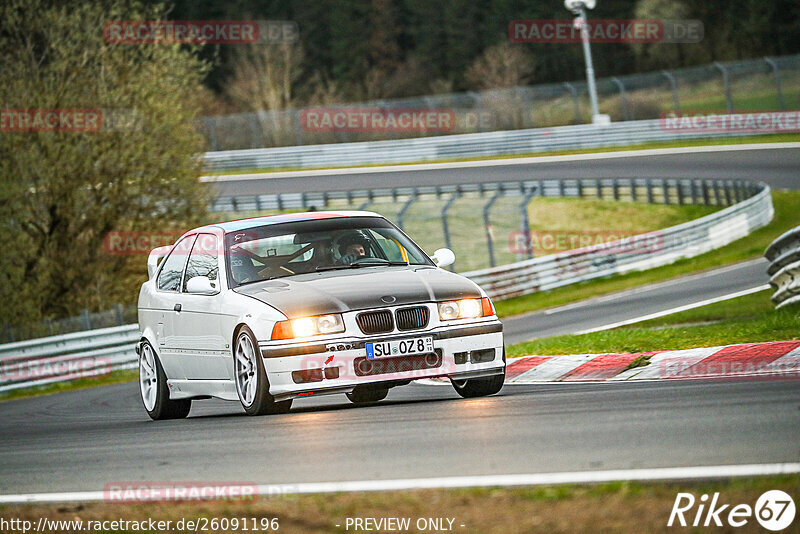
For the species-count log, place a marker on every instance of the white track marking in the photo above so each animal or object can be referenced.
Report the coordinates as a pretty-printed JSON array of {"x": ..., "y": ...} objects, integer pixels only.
[
  {"x": 657, "y": 368},
  {"x": 535, "y": 479},
  {"x": 554, "y": 368},
  {"x": 679, "y": 309},
  {"x": 498, "y": 162}
]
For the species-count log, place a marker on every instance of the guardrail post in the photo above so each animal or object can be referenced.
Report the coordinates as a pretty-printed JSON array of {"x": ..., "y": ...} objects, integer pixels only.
[
  {"x": 706, "y": 197},
  {"x": 665, "y": 187},
  {"x": 401, "y": 216},
  {"x": 633, "y": 190},
  {"x": 487, "y": 225},
  {"x": 676, "y": 103},
  {"x": 777, "y": 75},
  {"x": 727, "y": 186},
  {"x": 679, "y": 189},
  {"x": 717, "y": 196},
  {"x": 445, "y": 228},
  {"x": 623, "y": 98},
  {"x": 526, "y": 225},
  {"x": 576, "y": 104},
  {"x": 580, "y": 188},
  {"x": 599, "y": 188},
  {"x": 726, "y": 81},
  {"x": 650, "y": 199}
]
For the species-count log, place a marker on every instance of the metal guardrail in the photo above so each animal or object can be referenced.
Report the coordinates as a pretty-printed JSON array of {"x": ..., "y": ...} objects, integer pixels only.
[
  {"x": 97, "y": 352},
  {"x": 784, "y": 269},
  {"x": 632, "y": 97},
  {"x": 641, "y": 252},
  {"x": 460, "y": 146},
  {"x": 85, "y": 354}
]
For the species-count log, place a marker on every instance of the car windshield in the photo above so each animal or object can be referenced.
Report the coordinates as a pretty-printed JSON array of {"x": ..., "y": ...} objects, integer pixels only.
[{"x": 288, "y": 249}]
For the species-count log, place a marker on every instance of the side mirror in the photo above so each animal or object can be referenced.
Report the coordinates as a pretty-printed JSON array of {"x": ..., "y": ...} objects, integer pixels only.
[
  {"x": 201, "y": 285},
  {"x": 443, "y": 257}
]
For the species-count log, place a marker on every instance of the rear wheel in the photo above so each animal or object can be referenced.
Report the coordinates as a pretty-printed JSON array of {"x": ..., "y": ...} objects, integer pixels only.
[
  {"x": 363, "y": 395},
  {"x": 479, "y": 387},
  {"x": 252, "y": 385},
  {"x": 154, "y": 390}
]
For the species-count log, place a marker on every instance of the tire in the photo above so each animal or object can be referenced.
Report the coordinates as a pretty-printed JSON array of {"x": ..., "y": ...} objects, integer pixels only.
[
  {"x": 479, "y": 387},
  {"x": 364, "y": 395},
  {"x": 153, "y": 388},
  {"x": 252, "y": 385}
]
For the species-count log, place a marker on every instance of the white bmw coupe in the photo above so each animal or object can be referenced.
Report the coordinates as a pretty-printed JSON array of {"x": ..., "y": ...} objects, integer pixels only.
[{"x": 270, "y": 309}]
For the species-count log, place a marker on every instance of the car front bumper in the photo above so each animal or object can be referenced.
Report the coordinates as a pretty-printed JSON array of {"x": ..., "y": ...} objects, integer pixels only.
[{"x": 296, "y": 370}]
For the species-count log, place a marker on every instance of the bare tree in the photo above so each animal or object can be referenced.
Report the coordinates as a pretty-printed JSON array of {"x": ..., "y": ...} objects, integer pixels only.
[{"x": 501, "y": 65}]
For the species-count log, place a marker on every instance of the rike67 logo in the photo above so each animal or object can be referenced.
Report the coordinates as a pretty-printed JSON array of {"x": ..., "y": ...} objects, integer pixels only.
[{"x": 774, "y": 510}]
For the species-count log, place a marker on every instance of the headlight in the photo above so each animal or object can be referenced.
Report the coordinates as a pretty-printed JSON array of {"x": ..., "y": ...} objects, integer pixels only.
[
  {"x": 465, "y": 309},
  {"x": 308, "y": 326}
]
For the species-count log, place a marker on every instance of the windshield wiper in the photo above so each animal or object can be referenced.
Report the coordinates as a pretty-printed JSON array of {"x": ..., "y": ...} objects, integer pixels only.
[{"x": 371, "y": 262}]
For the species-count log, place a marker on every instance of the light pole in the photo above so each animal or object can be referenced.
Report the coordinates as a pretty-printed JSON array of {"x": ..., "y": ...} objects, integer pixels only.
[{"x": 579, "y": 7}]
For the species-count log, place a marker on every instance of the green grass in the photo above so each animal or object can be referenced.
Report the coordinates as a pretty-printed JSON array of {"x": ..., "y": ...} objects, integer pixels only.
[
  {"x": 116, "y": 377},
  {"x": 787, "y": 216},
  {"x": 766, "y": 138},
  {"x": 748, "y": 319}
]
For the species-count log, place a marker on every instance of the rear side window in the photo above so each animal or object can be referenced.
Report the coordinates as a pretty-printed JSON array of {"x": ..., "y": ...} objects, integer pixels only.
[{"x": 169, "y": 279}]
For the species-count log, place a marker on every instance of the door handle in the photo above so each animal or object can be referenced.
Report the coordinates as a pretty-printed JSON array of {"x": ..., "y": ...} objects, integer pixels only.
[{"x": 177, "y": 308}]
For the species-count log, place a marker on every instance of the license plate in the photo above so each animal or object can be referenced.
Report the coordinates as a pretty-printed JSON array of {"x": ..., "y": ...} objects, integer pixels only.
[{"x": 400, "y": 347}]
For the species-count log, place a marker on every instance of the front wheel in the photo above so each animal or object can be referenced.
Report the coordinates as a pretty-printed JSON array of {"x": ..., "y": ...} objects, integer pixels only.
[
  {"x": 154, "y": 390},
  {"x": 479, "y": 387},
  {"x": 252, "y": 385}
]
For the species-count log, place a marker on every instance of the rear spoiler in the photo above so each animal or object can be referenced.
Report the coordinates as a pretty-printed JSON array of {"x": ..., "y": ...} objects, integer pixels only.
[{"x": 155, "y": 257}]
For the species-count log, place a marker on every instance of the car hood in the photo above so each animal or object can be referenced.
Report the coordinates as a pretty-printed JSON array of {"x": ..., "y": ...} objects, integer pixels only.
[{"x": 358, "y": 289}]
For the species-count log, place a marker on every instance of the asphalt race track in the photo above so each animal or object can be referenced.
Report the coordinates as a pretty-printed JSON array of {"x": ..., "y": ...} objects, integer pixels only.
[
  {"x": 777, "y": 167},
  {"x": 83, "y": 440},
  {"x": 636, "y": 303}
]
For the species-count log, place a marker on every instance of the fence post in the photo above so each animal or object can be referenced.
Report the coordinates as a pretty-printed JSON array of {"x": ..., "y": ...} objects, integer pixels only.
[
  {"x": 626, "y": 112},
  {"x": 526, "y": 224},
  {"x": 673, "y": 84},
  {"x": 86, "y": 319},
  {"x": 777, "y": 75},
  {"x": 402, "y": 214},
  {"x": 575, "y": 103},
  {"x": 488, "y": 225},
  {"x": 726, "y": 81},
  {"x": 445, "y": 228},
  {"x": 118, "y": 313},
  {"x": 211, "y": 125}
]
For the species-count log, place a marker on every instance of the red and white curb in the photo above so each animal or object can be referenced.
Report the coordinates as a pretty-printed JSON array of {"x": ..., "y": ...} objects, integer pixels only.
[{"x": 774, "y": 360}]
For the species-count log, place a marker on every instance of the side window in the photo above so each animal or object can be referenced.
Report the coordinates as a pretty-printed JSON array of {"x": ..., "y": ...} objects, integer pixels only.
[
  {"x": 203, "y": 259},
  {"x": 169, "y": 279}
]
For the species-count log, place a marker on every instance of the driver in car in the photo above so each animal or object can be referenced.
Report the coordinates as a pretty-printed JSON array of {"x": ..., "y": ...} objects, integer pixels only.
[{"x": 352, "y": 247}]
